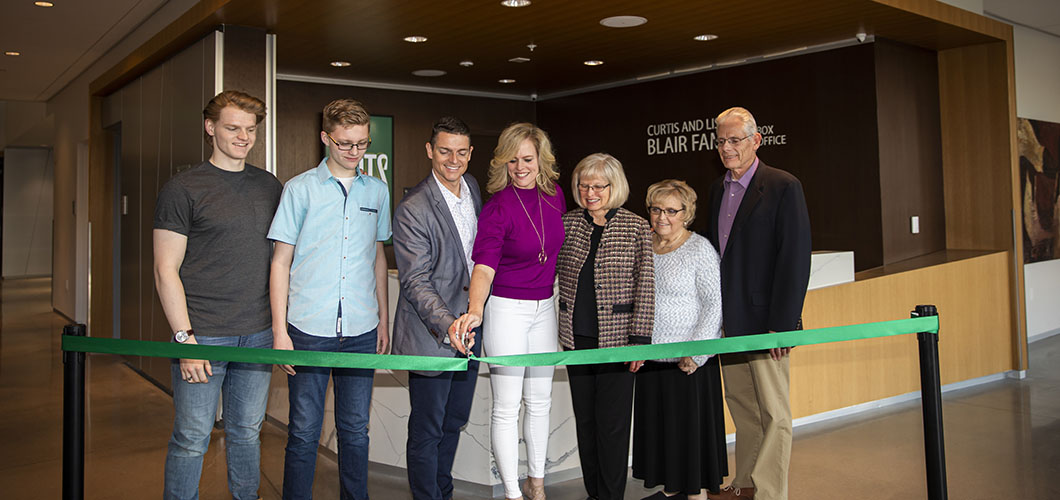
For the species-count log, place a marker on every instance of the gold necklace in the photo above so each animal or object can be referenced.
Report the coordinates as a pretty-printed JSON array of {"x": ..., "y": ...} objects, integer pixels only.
[{"x": 541, "y": 257}]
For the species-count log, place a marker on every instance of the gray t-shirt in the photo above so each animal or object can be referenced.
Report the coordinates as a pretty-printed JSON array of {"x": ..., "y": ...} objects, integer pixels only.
[{"x": 226, "y": 216}]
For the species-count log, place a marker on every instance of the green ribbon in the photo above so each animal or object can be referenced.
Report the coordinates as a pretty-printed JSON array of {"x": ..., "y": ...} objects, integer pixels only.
[
  {"x": 929, "y": 324},
  {"x": 266, "y": 356},
  {"x": 744, "y": 343}
]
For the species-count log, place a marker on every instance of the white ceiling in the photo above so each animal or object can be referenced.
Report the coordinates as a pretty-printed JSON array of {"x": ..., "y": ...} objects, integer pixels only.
[
  {"x": 60, "y": 42},
  {"x": 1043, "y": 15}
]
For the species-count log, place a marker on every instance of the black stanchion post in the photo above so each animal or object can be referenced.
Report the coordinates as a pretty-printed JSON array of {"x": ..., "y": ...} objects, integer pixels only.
[
  {"x": 931, "y": 399},
  {"x": 74, "y": 419}
]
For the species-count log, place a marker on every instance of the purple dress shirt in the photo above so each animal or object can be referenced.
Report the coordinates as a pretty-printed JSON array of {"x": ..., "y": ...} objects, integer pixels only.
[{"x": 730, "y": 203}]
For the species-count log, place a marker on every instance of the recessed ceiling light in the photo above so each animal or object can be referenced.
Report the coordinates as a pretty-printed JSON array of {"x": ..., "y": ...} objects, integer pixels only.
[
  {"x": 506, "y": 80},
  {"x": 593, "y": 62},
  {"x": 340, "y": 64},
  {"x": 623, "y": 21},
  {"x": 12, "y": 53},
  {"x": 467, "y": 64},
  {"x": 415, "y": 39},
  {"x": 515, "y": 3},
  {"x": 705, "y": 38},
  {"x": 428, "y": 72},
  {"x": 519, "y": 59},
  {"x": 44, "y": 4}
]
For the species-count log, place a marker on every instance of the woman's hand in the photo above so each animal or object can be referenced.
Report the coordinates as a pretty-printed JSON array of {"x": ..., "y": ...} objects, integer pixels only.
[
  {"x": 463, "y": 328},
  {"x": 635, "y": 365},
  {"x": 687, "y": 365}
]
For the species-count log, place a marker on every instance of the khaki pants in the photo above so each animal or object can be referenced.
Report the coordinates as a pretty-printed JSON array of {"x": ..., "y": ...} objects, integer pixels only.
[{"x": 757, "y": 393}]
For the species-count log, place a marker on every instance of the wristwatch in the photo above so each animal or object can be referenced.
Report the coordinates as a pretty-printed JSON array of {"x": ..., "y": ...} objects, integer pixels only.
[{"x": 181, "y": 336}]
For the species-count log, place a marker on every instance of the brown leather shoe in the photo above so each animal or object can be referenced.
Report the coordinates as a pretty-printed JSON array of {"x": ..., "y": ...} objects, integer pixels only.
[{"x": 731, "y": 492}]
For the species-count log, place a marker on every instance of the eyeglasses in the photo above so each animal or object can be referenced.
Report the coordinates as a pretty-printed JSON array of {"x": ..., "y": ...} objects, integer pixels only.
[
  {"x": 733, "y": 141},
  {"x": 668, "y": 211},
  {"x": 348, "y": 146},
  {"x": 589, "y": 187}
]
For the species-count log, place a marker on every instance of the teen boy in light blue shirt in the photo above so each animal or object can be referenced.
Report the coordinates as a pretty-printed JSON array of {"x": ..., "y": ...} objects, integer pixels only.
[{"x": 329, "y": 293}]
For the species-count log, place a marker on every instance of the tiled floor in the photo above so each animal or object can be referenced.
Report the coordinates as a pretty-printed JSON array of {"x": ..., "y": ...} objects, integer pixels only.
[{"x": 1002, "y": 438}]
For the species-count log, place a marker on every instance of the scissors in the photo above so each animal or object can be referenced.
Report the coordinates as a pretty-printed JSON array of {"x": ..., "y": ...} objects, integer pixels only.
[{"x": 464, "y": 340}]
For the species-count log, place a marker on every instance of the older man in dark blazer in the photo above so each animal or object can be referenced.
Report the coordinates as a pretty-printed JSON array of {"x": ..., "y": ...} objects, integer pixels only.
[
  {"x": 759, "y": 224},
  {"x": 434, "y": 228}
]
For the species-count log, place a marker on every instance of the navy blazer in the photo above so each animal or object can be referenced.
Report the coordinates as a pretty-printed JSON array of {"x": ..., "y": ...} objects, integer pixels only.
[
  {"x": 432, "y": 269},
  {"x": 766, "y": 266}
]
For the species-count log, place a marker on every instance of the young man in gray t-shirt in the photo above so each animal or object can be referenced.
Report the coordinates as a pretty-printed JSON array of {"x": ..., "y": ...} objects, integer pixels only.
[{"x": 212, "y": 274}]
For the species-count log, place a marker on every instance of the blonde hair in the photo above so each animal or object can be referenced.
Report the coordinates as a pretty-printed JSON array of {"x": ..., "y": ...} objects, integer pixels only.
[
  {"x": 673, "y": 187},
  {"x": 508, "y": 147},
  {"x": 601, "y": 165}
]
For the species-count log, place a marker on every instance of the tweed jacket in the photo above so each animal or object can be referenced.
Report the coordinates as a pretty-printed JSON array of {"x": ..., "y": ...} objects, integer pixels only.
[{"x": 624, "y": 275}]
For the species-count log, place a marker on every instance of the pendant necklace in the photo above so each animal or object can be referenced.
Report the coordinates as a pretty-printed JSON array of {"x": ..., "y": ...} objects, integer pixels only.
[{"x": 541, "y": 257}]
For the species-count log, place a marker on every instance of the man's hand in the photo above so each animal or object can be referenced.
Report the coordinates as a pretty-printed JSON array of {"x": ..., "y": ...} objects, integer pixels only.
[
  {"x": 195, "y": 371},
  {"x": 382, "y": 343},
  {"x": 687, "y": 365},
  {"x": 635, "y": 365},
  {"x": 282, "y": 341},
  {"x": 779, "y": 352}
]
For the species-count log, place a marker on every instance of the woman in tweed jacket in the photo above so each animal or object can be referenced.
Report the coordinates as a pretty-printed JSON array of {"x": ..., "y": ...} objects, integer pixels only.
[{"x": 606, "y": 299}]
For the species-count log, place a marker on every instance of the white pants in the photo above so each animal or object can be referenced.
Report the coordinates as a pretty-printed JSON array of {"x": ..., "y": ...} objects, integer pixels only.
[{"x": 513, "y": 326}]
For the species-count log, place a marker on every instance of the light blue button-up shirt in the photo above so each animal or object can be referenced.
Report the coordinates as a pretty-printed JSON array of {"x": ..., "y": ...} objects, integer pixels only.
[{"x": 334, "y": 236}]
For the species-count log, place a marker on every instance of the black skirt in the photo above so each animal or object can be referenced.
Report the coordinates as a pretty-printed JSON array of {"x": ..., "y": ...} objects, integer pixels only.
[{"x": 679, "y": 428}]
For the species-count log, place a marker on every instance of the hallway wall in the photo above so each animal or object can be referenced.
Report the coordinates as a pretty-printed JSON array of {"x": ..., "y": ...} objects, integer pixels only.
[
  {"x": 1038, "y": 98},
  {"x": 29, "y": 178}
]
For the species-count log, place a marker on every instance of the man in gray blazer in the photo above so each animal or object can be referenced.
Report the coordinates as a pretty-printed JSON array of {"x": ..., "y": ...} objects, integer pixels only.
[{"x": 434, "y": 228}]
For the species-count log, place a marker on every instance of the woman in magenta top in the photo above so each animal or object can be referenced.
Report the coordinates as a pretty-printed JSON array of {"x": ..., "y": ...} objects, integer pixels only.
[{"x": 520, "y": 232}]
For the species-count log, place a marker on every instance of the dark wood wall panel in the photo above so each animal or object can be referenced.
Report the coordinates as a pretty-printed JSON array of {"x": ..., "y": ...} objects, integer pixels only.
[
  {"x": 101, "y": 187},
  {"x": 190, "y": 86},
  {"x": 129, "y": 188},
  {"x": 823, "y": 104},
  {"x": 910, "y": 150},
  {"x": 244, "y": 70},
  {"x": 154, "y": 150}
]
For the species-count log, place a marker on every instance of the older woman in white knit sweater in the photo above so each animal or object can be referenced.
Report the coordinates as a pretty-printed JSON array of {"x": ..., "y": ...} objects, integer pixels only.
[{"x": 679, "y": 427}]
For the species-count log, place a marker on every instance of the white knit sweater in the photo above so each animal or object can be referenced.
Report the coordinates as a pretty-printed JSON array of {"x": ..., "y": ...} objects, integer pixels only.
[{"x": 687, "y": 295}]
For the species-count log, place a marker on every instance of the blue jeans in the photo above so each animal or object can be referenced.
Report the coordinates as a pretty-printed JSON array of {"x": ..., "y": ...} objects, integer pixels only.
[
  {"x": 353, "y": 396},
  {"x": 440, "y": 407},
  {"x": 244, "y": 388}
]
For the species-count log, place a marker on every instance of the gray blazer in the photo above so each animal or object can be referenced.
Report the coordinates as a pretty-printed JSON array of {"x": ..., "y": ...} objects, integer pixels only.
[{"x": 432, "y": 270}]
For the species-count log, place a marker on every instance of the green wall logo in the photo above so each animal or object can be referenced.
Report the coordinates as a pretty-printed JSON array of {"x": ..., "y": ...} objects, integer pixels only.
[{"x": 377, "y": 161}]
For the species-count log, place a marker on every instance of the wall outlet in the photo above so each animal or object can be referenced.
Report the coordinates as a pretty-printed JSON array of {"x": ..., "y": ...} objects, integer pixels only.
[{"x": 914, "y": 224}]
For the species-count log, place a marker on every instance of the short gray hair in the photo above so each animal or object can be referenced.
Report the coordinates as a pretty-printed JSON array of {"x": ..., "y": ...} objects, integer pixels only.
[{"x": 750, "y": 127}]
